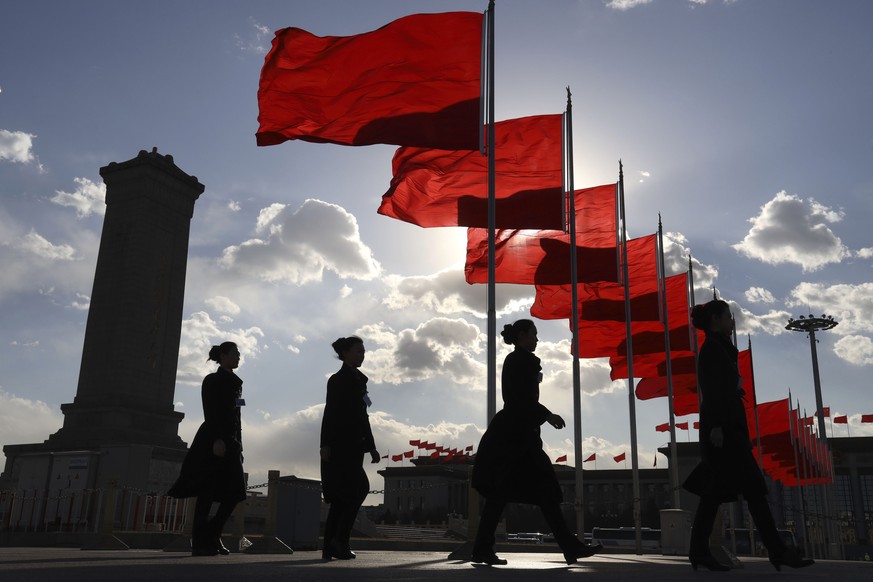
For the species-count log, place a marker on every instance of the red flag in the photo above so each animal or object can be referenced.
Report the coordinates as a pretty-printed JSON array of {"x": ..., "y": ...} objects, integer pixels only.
[
  {"x": 448, "y": 457},
  {"x": 561, "y": 459},
  {"x": 415, "y": 443},
  {"x": 663, "y": 427},
  {"x": 469, "y": 448},
  {"x": 415, "y": 81},
  {"x": 553, "y": 301},
  {"x": 409, "y": 454},
  {"x": 435, "y": 455},
  {"x": 867, "y": 418},
  {"x": 682, "y": 425},
  {"x": 825, "y": 411},
  {"x": 396, "y": 458},
  {"x": 841, "y": 419},
  {"x": 428, "y": 446},
  {"x": 619, "y": 458},
  {"x": 696, "y": 425},
  {"x": 536, "y": 257},
  {"x": 591, "y": 457},
  {"x": 450, "y": 188}
]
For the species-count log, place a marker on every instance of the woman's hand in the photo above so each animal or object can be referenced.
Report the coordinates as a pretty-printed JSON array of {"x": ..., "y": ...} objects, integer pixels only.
[
  {"x": 219, "y": 448},
  {"x": 374, "y": 456},
  {"x": 716, "y": 437},
  {"x": 325, "y": 453},
  {"x": 556, "y": 421}
]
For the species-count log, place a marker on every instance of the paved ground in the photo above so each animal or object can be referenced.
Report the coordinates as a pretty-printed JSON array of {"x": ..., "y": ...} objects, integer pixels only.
[{"x": 69, "y": 565}]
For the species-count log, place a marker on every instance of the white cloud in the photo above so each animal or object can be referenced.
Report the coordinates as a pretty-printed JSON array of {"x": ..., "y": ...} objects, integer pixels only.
[
  {"x": 676, "y": 253},
  {"x": 82, "y": 303},
  {"x": 851, "y": 305},
  {"x": 26, "y": 421},
  {"x": 855, "y": 349},
  {"x": 771, "y": 323},
  {"x": 300, "y": 245},
  {"x": 759, "y": 295},
  {"x": 199, "y": 333},
  {"x": 253, "y": 41},
  {"x": 865, "y": 253},
  {"x": 790, "y": 231},
  {"x": 88, "y": 198},
  {"x": 234, "y": 206},
  {"x": 222, "y": 304},
  {"x": 626, "y": 4},
  {"x": 40, "y": 246},
  {"x": 447, "y": 292},
  {"x": 16, "y": 146}
]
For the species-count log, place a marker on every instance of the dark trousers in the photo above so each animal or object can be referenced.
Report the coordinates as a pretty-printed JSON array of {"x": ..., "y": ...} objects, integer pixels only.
[
  {"x": 490, "y": 517},
  {"x": 340, "y": 521},
  {"x": 707, "y": 510},
  {"x": 205, "y": 531}
]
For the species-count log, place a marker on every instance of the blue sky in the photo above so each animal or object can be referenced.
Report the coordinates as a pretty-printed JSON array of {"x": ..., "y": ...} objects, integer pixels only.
[{"x": 747, "y": 125}]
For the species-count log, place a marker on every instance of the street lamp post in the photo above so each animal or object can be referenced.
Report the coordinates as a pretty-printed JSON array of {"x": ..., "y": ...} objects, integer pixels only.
[{"x": 810, "y": 325}]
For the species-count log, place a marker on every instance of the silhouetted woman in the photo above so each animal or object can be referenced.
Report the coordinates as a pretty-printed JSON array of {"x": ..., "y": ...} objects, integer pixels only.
[
  {"x": 345, "y": 438},
  {"x": 728, "y": 467},
  {"x": 511, "y": 465},
  {"x": 212, "y": 469}
]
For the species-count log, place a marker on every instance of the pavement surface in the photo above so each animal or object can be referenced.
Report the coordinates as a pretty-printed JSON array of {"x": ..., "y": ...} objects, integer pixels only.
[{"x": 68, "y": 565}]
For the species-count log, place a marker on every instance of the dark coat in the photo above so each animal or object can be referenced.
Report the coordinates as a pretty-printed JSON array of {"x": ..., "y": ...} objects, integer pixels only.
[
  {"x": 731, "y": 469},
  {"x": 203, "y": 474},
  {"x": 510, "y": 463},
  {"x": 345, "y": 428}
]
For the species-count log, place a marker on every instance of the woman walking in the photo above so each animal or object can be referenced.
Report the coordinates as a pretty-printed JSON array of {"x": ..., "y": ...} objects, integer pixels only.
[
  {"x": 728, "y": 468},
  {"x": 511, "y": 465},
  {"x": 212, "y": 470},
  {"x": 345, "y": 438}
]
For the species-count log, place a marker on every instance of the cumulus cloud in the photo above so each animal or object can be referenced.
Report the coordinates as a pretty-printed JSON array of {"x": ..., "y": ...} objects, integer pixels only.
[
  {"x": 299, "y": 246},
  {"x": 26, "y": 421},
  {"x": 16, "y": 146},
  {"x": 199, "y": 333},
  {"x": 222, "y": 304},
  {"x": 771, "y": 323},
  {"x": 447, "y": 292},
  {"x": 851, "y": 305},
  {"x": 791, "y": 230},
  {"x": 676, "y": 253},
  {"x": 855, "y": 349},
  {"x": 440, "y": 346},
  {"x": 759, "y": 295},
  {"x": 88, "y": 198},
  {"x": 865, "y": 253},
  {"x": 624, "y": 5},
  {"x": 37, "y": 244}
]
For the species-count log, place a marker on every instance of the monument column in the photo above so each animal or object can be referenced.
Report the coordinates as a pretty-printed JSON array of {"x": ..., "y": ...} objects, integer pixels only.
[{"x": 131, "y": 349}]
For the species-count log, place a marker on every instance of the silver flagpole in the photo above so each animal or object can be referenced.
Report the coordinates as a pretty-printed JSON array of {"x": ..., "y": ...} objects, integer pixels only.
[
  {"x": 492, "y": 223},
  {"x": 662, "y": 292},
  {"x": 632, "y": 409},
  {"x": 570, "y": 223}
]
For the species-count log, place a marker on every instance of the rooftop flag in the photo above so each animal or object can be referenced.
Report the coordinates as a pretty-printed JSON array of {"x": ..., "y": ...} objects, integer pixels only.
[{"x": 415, "y": 81}]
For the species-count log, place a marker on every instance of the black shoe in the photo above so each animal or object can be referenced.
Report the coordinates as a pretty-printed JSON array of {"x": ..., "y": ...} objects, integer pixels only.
[
  {"x": 578, "y": 550},
  {"x": 790, "y": 558},
  {"x": 219, "y": 546},
  {"x": 338, "y": 552},
  {"x": 708, "y": 561},
  {"x": 487, "y": 558}
]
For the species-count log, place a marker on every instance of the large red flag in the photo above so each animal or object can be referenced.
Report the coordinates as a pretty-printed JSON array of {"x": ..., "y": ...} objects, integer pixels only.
[
  {"x": 415, "y": 82},
  {"x": 553, "y": 301},
  {"x": 432, "y": 187},
  {"x": 535, "y": 257}
]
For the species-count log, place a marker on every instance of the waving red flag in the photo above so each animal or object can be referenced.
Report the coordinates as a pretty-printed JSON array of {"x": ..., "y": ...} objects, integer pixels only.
[
  {"x": 415, "y": 82},
  {"x": 396, "y": 458},
  {"x": 433, "y": 187},
  {"x": 682, "y": 425},
  {"x": 696, "y": 425},
  {"x": 561, "y": 459},
  {"x": 553, "y": 301},
  {"x": 825, "y": 412},
  {"x": 591, "y": 457},
  {"x": 867, "y": 418},
  {"x": 408, "y": 454},
  {"x": 841, "y": 419},
  {"x": 654, "y": 365},
  {"x": 415, "y": 443},
  {"x": 663, "y": 427},
  {"x": 619, "y": 458}
]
